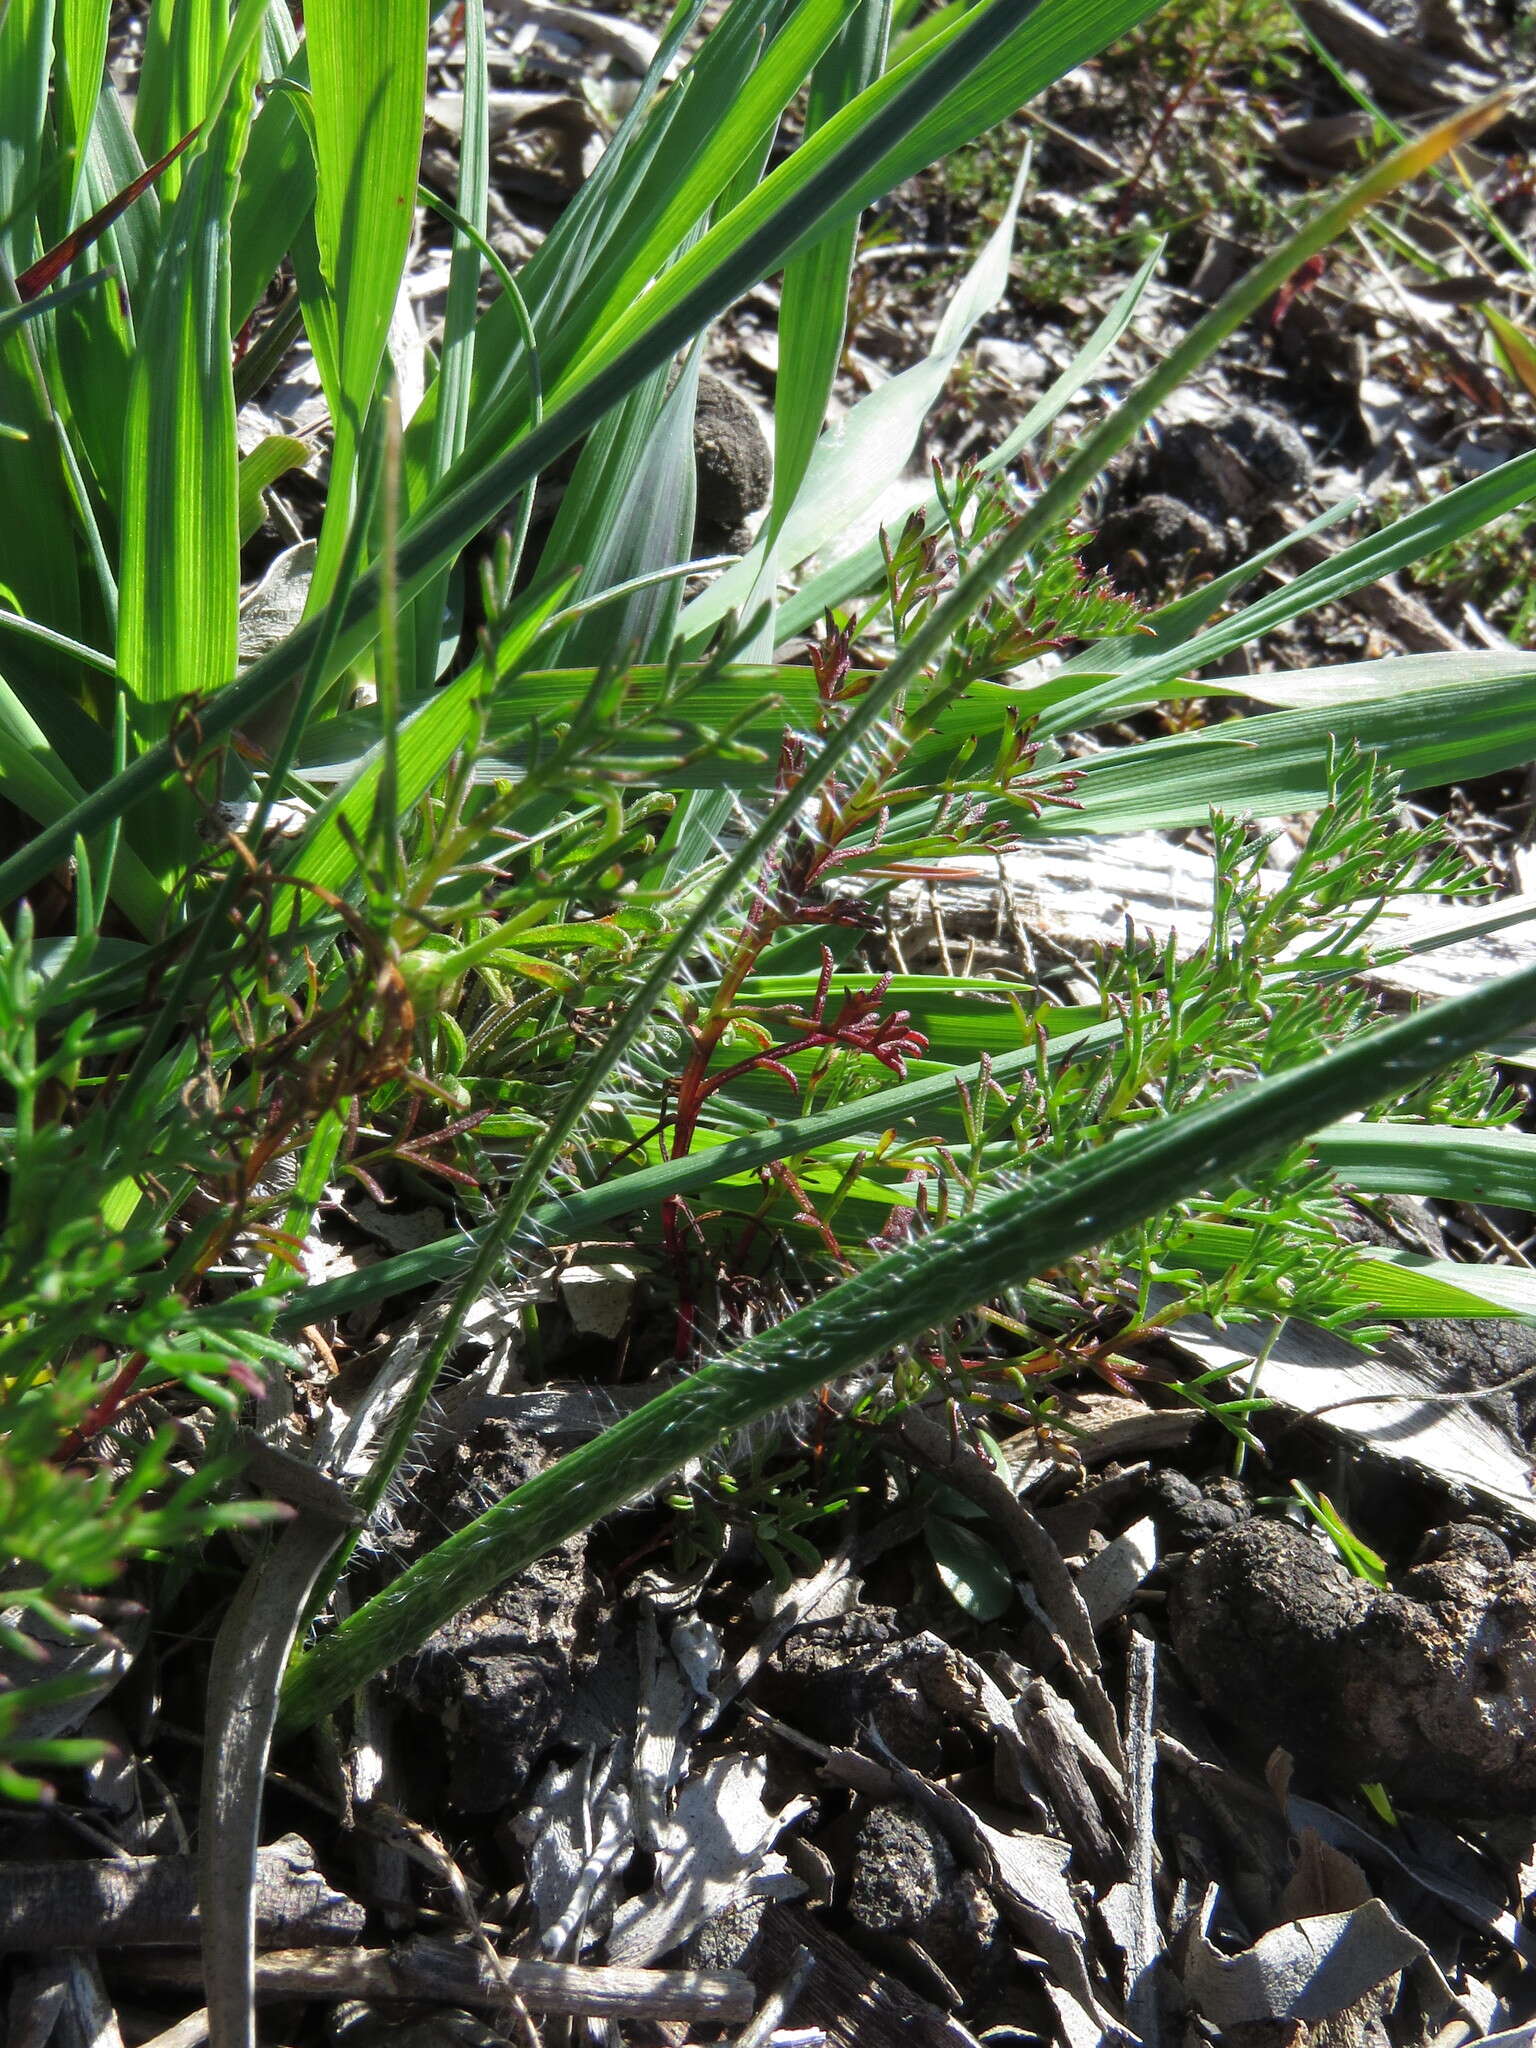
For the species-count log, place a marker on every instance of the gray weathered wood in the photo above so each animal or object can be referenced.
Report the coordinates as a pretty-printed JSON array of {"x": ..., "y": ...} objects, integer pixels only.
[{"x": 152, "y": 1900}]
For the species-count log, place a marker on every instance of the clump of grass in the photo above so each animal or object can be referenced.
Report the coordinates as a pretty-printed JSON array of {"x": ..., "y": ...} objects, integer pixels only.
[{"x": 260, "y": 942}]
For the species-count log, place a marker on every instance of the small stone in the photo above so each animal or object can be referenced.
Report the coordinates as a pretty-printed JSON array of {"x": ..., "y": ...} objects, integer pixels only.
[{"x": 599, "y": 1298}]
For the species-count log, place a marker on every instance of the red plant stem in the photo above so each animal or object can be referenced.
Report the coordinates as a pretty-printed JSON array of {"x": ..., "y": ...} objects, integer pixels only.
[
  {"x": 102, "y": 1411},
  {"x": 1171, "y": 107}
]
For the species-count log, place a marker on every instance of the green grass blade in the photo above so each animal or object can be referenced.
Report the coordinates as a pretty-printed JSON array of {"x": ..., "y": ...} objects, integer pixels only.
[
  {"x": 756, "y": 242},
  {"x": 629, "y": 513},
  {"x": 35, "y": 779},
  {"x": 1277, "y": 762},
  {"x": 112, "y": 163},
  {"x": 271, "y": 458},
  {"x": 813, "y": 306},
  {"x": 180, "y": 561},
  {"x": 184, "y": 45},
  {"x": 906, "y": 1108},
  {"x": 1080, "y": 695},
  {"x": 736, "y": 131},
  {"x": 26, "y": 147},
  {"x": 80, "y": 51},
  {"x": 1436, "y": 1160},
  {"x": 997, "y": 57},
  {"x": 368, "y": 82},
  {"x": 455, "y": 374},
  {"x": 277, "y": 193}
]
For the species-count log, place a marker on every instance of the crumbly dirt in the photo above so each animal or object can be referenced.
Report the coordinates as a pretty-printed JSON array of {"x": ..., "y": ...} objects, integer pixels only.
[
  {"x": 1428, "y": 1689},
  {"x": 492, "y": 1686}
]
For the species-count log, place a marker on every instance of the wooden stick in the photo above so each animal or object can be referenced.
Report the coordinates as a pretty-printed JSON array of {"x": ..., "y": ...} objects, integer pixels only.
[{"x": 434, "y": 1971}]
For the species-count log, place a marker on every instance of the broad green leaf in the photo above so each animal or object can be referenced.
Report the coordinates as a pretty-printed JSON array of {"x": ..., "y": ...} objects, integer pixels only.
[
  {"x": 42, "y": 551},
  {"x": 277, "y": 191},
  {"x": 1352, "y": 682},
  {"x": 1400, "y": 1284},
  {"x": 1404, "y": 1287},
  {"x": 1439, "y": 1160},
  {"x": 26, "y": 149},
  {"x": 367, "y": 74},
  {"x": 180, "y": 562},
  {"x": 184, "y": 46},
  {"x": 1277, "y": 762},
  {"x": 113, "y": 162},
  {"x": 80, "y": 49}
]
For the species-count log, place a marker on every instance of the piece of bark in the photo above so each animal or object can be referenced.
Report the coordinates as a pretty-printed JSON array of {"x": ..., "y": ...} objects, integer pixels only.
[
  {"x": 144, "y": 1901},
  {"x": 1079, "y": 1780},
  {"x": 435, "y": 1972},
  {"x": 191, "y": 2032},
  {"x": 1144, "y": 1948},
  {"x": 89, "y": 2019},
  {"x": 778, "y": 2005},
  {"x": 37, "y": 1996}
]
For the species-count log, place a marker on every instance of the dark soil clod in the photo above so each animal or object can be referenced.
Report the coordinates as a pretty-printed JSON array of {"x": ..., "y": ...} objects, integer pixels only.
[
  {"x": 733, "y": 465},
  {"x": 1429, "y": 1689},
  {"x": 1236, "y": 469},
  {"x": 1143, "y": 546}
]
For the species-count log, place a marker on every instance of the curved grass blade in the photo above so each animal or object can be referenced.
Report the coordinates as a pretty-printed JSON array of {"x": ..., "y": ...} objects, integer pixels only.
[
  {"x": 920, "y": 1287},
  {"x": 368, "y": 84}
]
